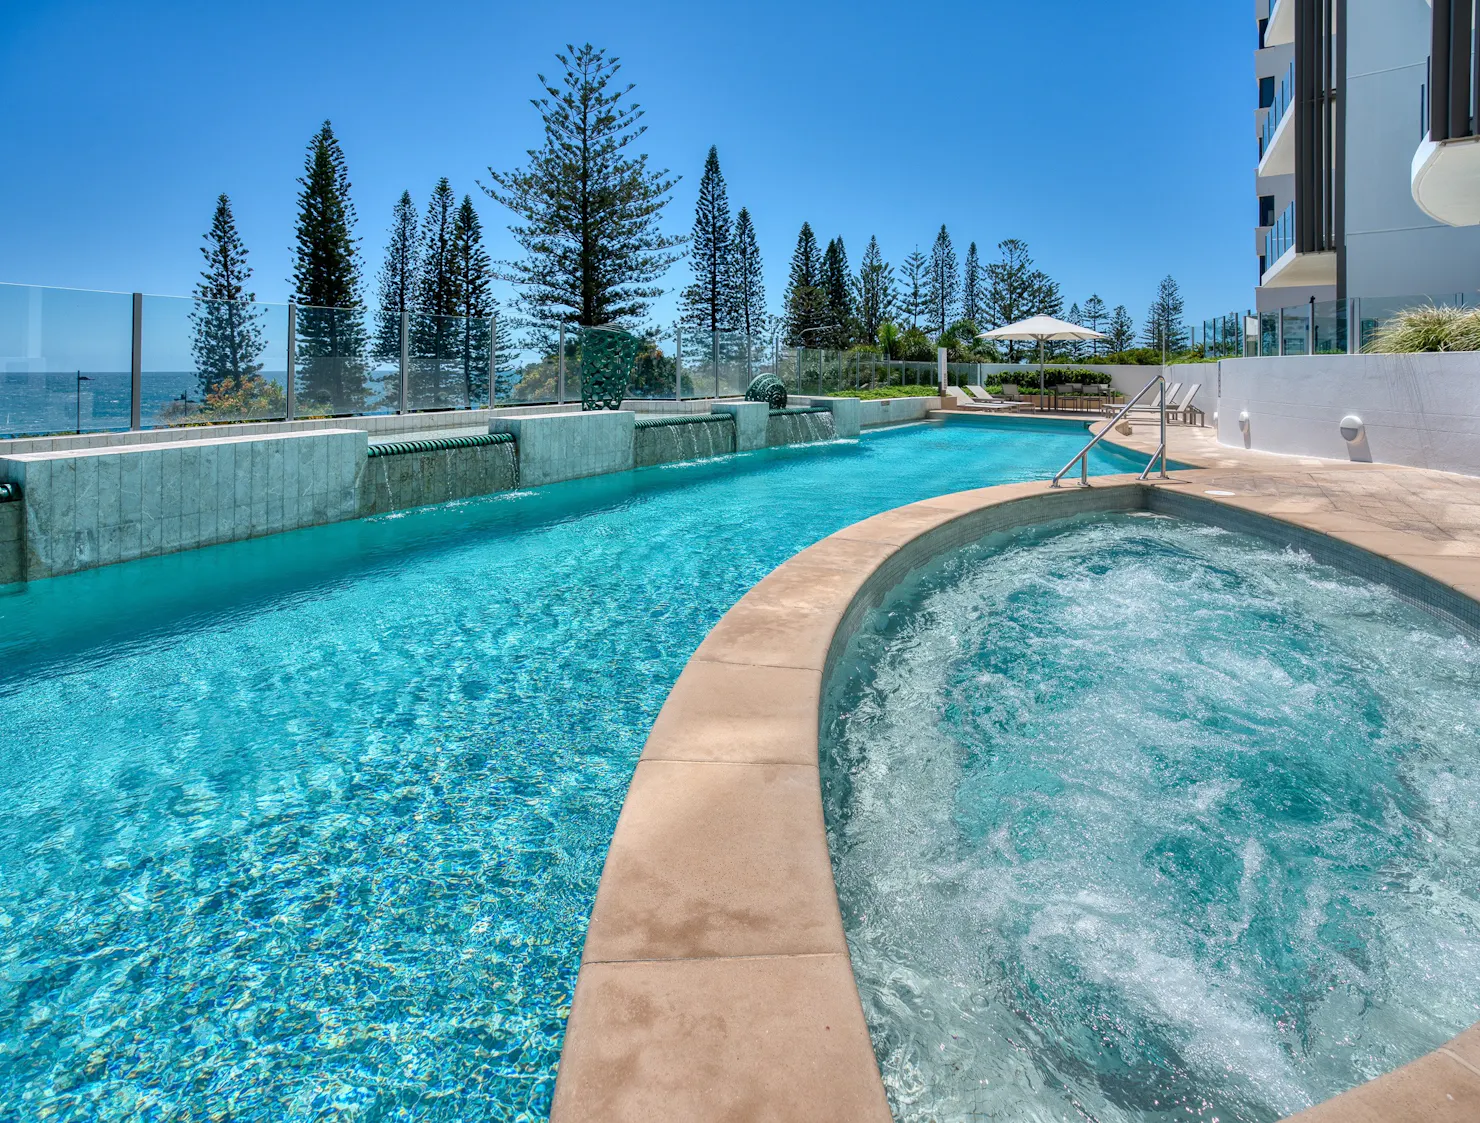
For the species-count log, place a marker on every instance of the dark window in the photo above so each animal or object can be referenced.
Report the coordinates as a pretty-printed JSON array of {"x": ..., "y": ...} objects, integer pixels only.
[
  {"x": 1266, "y": 92},
  {"x": 1263, "y": 266},
  {"x": 1263, "y": 27},
  {"x": 1266, "y": 210}
]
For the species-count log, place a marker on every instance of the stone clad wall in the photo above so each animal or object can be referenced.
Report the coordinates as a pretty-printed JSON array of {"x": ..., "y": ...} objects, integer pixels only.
[
  {"x": 436, "y": 475},
  {"x": 95, "y": 505},
  {"x": 12, "y": 542},
  {"x": 92, "y": 507},
  {"x": 570, "y": 446},
  {"x": 876, "y": 411},
  {"x": 750, "y": 423}
]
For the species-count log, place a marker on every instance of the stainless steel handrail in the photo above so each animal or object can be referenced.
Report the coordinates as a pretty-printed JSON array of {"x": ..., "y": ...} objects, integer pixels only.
[{"x": 1083, "y": 458}]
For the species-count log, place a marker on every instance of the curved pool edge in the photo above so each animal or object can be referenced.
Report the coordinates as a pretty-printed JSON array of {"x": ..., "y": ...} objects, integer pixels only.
[{"x": 715, "y": 982}]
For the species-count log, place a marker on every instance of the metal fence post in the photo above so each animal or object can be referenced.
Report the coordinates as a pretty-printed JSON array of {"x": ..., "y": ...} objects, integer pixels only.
[
  {"x": 1310, "y": 327},
  {"x": 405, "y": 361},
  {"x": 714, "y": 356},
  {"x": 1281, "y": 329},
  {"x": 290, "y": 391},
  {"x": 800, "y": 350},
  {"x": 677, "y": 362},
  {"x": 1354, "y": 325},
  {"x": 136, "y": 367},
  {"x": 560, "y": 378},
  {"x": 492, "y": 357},
  {"x": 945, "y": 373}
]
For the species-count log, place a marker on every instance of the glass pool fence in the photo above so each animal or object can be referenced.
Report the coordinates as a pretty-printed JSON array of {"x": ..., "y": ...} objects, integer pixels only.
[
  {"x": 81, "y": 361},
  {"x": 1320, "y": 327}
]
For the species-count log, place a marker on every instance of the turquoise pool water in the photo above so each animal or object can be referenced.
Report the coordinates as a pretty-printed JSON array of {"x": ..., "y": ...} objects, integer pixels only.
[
  {"x": 1138, "y": 820},
  {"x": 309, "y": 827}
]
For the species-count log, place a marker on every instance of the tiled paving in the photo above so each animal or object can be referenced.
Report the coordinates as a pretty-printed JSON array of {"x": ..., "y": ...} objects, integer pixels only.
[
  {"x": 1440, "y": 506},
  {"x": 715, "y": 983}
]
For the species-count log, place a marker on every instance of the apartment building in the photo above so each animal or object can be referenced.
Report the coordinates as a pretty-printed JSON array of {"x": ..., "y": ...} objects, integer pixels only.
[{"x": 1369, "y": 163}]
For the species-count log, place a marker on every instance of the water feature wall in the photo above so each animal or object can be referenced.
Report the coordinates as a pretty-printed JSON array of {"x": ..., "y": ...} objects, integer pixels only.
[
  {"x": 67, "y": 508},
  {"x": 665, "y": 440},
  {"x": 799, "y": 426},
  {"x": 12, "y": 534},
  {"x": 89, "y": 507},
  {"x": 419, "y": 473}
]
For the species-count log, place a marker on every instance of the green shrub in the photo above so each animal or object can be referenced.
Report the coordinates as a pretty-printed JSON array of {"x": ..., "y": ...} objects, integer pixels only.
[
  {"x": 1429, "y": 328},
  {"x": 914, "y": 346},
  {"x": 888, "y": 392},
  {"x": 1064, "y": 375},
  {"x": 1052, "y": 376}
]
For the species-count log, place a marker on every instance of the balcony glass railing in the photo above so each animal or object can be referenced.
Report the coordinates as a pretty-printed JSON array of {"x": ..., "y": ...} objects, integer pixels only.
[
  {"x": 1343, "y": 327},
  {"x": 1277, "y": 110},
  {"x": 1280, "y": 238}
]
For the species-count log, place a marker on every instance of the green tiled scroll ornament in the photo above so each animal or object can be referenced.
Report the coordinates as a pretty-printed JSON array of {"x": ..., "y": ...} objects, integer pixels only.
[
  {"x": 607, "y": 359},
  {"x": 769, "y": 389}
]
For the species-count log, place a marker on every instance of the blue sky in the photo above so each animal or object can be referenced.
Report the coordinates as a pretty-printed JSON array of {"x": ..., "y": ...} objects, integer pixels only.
[{"x": 1113, "y": 138}]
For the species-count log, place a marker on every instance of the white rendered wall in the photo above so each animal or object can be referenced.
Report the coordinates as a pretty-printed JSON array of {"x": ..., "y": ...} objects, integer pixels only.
[{"x": 1419, "y": 410}]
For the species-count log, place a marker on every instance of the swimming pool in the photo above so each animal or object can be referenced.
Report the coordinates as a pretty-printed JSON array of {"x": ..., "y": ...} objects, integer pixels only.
[
  {"x": 310, "y": 826},
  {"x": 1136, "y": 820}
]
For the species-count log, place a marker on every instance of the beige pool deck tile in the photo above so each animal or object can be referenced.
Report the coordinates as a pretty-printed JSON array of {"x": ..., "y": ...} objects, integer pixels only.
[
  {"x": 963, "y": 501},
  {"x": 772, "y": 635},
  {"x": 714, "y": 860},
  {"x": 901, "y": 525},
  {"x": 740, "y": 714},
  {"x": 825, "y": 578},
  {"x": 1437, "y": 1088},
  {"x": 1466, "y": 1048},
  {"x": 778, "y": 1040},
  {"x": 1449, "y": 570},
  {"x": 851, "y": 554}
]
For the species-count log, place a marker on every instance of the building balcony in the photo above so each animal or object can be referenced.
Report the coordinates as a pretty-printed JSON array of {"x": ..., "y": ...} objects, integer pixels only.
[
  {"x": 1277, "y": 137},
  {"x": 1446, "y": 180},
  {"x": 1446, "y": 167},
  {"x": 1285, "y": 267},
  {"x": 1281, "y": 28}
]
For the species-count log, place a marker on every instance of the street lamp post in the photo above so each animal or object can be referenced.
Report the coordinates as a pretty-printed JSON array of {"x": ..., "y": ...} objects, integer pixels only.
[{"x": 81, "y": 378}]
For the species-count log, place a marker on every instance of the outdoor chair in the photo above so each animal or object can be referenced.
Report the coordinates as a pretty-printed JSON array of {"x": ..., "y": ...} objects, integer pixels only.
[
  {"x": 981, "y": 394},
  {"x": 1151, "y": 407},
  {"x": 961, "y": 398},
  {"x": 1184, "y": 410}
]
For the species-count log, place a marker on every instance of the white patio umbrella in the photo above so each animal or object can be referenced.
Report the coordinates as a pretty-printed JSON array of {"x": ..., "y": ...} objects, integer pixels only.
[{"x": 1045, "y": 329}]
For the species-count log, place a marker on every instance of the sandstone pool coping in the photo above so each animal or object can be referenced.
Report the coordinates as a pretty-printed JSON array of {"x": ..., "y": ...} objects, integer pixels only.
[{"x": 715, "y": 982}]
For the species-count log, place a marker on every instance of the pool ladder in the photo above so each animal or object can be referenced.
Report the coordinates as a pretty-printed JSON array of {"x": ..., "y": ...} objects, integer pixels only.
[{"x": 1157, "y": 383}]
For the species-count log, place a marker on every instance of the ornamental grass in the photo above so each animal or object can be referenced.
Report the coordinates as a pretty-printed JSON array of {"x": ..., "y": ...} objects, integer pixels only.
[{"x": 1428, "y": 328}]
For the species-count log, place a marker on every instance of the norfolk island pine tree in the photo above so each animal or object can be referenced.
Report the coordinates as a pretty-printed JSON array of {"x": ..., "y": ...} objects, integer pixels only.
[{"x": 332, "y": 339}]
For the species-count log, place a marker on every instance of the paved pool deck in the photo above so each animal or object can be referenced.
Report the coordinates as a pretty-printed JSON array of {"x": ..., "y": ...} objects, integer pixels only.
[{"x": 715, "y": 983}]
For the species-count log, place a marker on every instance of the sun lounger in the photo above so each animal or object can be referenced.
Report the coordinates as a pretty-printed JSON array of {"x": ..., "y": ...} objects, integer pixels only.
[
  {"x": 1151, "y": 406},
  {"x": 969, "y": 399},
  {"x": 1184, "y": 410},
  {"x": 980, "y": 394},
  {"x": 1179, "y": 405}
]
